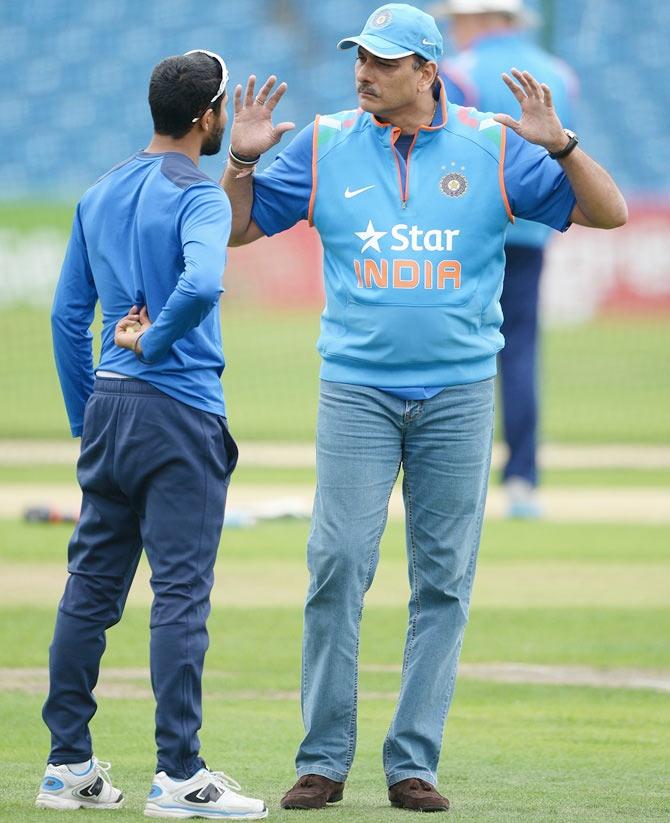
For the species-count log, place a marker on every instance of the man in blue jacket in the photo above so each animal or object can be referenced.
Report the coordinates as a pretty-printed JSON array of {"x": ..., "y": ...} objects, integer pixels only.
[
  {"x": 491, "y": 36},
  {"x": 156, "y": 455},
  {"x": 411, "y": 197}
]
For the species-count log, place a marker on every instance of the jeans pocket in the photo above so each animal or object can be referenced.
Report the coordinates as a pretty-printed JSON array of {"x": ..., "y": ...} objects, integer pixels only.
[{"x": 232, "y": 452}]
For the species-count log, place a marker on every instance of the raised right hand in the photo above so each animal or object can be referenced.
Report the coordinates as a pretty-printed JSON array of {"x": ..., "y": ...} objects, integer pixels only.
[{"x": 253, "y": 132}]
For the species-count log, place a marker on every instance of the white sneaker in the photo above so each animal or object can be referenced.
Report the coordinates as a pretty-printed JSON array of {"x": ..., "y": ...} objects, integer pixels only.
[
  {"x": 92, "y": 789},
  {"x": 522, "y": 499},
  {"x": 206, "y": 794}
]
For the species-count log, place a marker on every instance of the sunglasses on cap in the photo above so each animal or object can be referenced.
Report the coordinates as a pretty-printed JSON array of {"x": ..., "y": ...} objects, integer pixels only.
[{"x": 224, "y": 76}]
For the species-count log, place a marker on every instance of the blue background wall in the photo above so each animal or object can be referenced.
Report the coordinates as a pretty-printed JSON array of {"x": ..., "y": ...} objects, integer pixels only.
[{"x": 74, "y": 77}]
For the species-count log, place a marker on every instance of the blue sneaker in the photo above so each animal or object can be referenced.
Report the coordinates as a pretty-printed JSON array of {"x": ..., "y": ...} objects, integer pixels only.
[{"x": 92, "y": 788}]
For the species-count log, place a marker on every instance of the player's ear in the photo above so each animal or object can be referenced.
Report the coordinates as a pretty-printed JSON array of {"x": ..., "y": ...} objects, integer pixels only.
[
  {"x": 206, "y": 122},
  {"x": 428, "y": 74}
]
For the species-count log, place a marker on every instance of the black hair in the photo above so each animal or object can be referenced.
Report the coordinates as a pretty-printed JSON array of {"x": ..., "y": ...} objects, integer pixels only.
[{"x": 180, "y": 89}]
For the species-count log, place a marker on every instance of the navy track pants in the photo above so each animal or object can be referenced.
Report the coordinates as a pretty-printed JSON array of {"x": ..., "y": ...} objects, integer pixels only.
[
  {"x": 154, "y": 473},
  {"x": 518, "y": 360}
]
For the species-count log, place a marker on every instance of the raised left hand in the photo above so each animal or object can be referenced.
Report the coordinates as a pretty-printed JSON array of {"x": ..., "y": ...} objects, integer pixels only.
[
  {"x": 253, "y": 131},
  {"x": 131, "y": 327},
  {"x": 539, "y": 122}
]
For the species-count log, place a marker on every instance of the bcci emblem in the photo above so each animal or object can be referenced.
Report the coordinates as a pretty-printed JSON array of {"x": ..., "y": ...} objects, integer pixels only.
[
  {"x": 453, "y": 184},
  {"x": 382, "y": 19}
]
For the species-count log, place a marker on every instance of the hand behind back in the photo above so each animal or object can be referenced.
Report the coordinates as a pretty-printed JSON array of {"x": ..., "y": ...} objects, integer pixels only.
[{"x": 130, "y": 328}]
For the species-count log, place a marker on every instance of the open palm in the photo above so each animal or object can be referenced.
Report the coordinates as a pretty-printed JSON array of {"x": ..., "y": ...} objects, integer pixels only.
[
  {"x": 253, "y": 131},
  {"x": 539, "y": 122}
]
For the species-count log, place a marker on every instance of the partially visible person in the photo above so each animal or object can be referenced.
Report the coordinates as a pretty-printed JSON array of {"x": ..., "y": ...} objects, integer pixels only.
[
  {"x": 492, "y": 36},
  {"x": 156, "y": 455}
]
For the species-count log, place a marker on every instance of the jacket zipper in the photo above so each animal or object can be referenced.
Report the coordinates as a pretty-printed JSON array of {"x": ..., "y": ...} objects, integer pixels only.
[{"x": 404, "y": 187}]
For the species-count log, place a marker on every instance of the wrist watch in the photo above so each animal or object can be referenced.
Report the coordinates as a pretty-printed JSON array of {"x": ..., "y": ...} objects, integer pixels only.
[{"x": 565, "y": 151}]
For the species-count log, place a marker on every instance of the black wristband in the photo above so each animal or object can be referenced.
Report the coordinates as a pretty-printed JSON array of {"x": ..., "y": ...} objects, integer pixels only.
[
  {"x": 137, "y": 340},
  {"x": 565, "y": 151},
  {"x": 243, "y": 161}
]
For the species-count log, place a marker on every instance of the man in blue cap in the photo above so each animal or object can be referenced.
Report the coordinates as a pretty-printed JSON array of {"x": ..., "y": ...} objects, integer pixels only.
[
  {"x": 491, "y": 35},
  {"x": 411, "y": 197}
]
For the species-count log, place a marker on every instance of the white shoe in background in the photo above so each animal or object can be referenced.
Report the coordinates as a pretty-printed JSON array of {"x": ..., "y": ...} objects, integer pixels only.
[{"x": 522, "y": 499}]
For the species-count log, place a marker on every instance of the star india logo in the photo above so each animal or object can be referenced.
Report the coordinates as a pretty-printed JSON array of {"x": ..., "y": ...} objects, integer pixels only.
[
  {"x": 454, "y": 184},
  {"x": 370, "y": 237},
  {"x": 382, "y": 19}
]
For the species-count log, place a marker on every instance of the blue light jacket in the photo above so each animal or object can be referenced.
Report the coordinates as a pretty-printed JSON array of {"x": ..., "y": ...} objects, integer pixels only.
[{"x": 413, "y": 251}]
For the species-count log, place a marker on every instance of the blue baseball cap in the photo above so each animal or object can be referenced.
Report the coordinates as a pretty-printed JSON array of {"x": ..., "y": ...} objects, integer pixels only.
[{"x": 397, "y": 30}]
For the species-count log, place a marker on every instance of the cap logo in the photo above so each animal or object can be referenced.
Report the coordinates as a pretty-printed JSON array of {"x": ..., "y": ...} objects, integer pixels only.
[
  {"x": 454, "y": 184},
  {"x": 382, "y": 19}
]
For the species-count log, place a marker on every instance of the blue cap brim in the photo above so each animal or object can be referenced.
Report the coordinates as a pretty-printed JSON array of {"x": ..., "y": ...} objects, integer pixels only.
[{"x": 375, "y": 45}]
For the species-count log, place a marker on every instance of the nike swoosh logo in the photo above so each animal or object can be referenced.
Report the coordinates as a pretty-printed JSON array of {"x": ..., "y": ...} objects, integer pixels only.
[
  {"x": 428, "y": 42},
  {"x": 348, "y": 193}
]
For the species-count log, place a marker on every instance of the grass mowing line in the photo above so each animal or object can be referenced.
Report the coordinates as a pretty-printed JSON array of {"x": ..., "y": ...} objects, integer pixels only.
[
  {"x": 576, "y": 636},
  {"x": 133, "y": 683},
  {"x": 280, "y": 455},
  {"x": 504, "y": 542},
  {"x": 31, "y": 473},
  {"x": 270, "y": 583},
  {"x": 588, "y": 505}
]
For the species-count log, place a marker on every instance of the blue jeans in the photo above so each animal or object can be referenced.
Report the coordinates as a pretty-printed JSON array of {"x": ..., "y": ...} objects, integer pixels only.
[
  {"x": 154, "y": 473},
  {"x": 444, "y": 446}
]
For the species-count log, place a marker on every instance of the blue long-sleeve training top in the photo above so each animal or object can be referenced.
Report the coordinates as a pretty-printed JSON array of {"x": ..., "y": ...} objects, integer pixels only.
[{"x": 152, "y": 231}]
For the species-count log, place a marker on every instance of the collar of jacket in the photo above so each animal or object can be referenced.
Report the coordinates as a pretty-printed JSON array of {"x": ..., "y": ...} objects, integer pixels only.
[{"x": 386, "y": 131}]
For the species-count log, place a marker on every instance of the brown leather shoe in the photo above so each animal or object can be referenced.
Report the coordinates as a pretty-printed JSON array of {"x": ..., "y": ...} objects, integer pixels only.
[
  {"x": 417, "y": 795},
  {"x": 312, "y": 791}
]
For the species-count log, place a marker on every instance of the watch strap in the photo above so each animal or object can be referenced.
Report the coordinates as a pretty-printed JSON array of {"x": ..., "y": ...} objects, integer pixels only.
[{"x": 565, "y": 151}]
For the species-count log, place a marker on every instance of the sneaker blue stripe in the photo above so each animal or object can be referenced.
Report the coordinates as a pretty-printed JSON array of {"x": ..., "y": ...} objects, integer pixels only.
[
  {"x": 207, "y": 812},
  {"x": 81, "y": 774}
]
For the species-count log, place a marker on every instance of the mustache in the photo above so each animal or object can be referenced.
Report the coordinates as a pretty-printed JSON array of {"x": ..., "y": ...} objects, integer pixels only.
[{"x": 362, "y": 89}]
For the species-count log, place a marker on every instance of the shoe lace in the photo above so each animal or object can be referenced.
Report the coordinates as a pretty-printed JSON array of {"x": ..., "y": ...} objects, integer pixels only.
[
  {"x": 103, "y": 767},
  {"x": 226, "y": 781}
]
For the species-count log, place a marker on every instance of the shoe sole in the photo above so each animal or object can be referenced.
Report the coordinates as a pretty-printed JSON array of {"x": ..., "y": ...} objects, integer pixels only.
[
  {"x": 305, "y": 808},
  {"x": 413, "y": 809},
  {"x": 182, "y": 814},
  {"x": 64, "y": 805},
  {"x": 334, "y": 798}
]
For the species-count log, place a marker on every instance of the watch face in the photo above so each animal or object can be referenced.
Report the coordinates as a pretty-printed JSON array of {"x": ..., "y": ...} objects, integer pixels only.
[{"x": 570, "y": 133}]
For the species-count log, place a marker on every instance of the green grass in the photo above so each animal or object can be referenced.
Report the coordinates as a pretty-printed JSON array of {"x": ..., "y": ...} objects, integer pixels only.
[
  {"x": 602, "y": 381},
  {"x": 504, "y": 542},
  {"x": 275, "y": 475},
  {"x": 28, "y": 216},
  {"x": 512, "y": 752}
]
